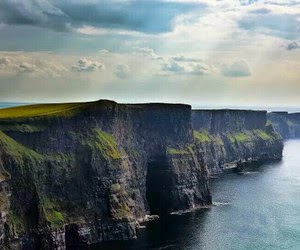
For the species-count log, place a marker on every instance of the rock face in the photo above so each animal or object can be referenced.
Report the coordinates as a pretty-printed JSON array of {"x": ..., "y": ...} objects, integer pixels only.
[
  {"x": 80, "y": 174},
  {"x": 229, "y": 138},
  {"x": 288, "y": 125}
]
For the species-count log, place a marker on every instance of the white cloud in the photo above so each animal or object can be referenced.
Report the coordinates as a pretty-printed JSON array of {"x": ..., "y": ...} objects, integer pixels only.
[
  {"x": 17, "y": 63},
  {"x": 186, "y": 66},
  {"x": 85, "y": 65},
  {"x": 122, "y": 71}
]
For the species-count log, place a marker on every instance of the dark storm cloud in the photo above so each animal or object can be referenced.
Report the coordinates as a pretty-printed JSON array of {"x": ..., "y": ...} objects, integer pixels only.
[{"x": 143, "y": 16}]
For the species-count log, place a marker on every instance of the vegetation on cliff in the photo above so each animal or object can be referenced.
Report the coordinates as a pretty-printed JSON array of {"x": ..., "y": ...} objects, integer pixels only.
[
  {"x": 204, "y": 137},
  {"x": 17, "y": 151},
  {"x": 52, "y": 213},
  {"x": 50, "y": 109}
]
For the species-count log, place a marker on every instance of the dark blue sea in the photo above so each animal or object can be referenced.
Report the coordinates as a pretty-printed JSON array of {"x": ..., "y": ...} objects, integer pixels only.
[{"x": 258, "y": 210}]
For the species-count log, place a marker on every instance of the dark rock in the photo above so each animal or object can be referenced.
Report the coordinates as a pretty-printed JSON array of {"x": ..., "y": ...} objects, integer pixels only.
[
  {"x": 227, "y": 137},
  {"x": 287, "y": 125}
]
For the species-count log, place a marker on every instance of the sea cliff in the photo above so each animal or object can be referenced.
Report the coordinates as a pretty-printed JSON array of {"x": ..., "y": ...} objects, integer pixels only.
[
  {"x": 82, "y": 173},
  {"x": 235, "y": 138},
  {"x": 77, "y": 174},
  {"x": 286, "y": 124}
]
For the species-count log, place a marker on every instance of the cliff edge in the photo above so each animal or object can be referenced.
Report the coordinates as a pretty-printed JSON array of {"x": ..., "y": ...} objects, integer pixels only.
[
  {"x": 230, "y": 138},
  {"x": 81, "y": 173},
  {"x": 286, "y": 124}
]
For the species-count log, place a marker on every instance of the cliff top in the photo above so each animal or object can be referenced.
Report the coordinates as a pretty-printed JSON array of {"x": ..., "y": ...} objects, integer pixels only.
[{"x": 69, "y": 109}]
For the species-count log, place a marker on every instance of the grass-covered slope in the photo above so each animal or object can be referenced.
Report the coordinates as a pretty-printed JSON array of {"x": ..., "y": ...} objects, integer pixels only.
[
  {"x": 49, "y": 109},
  {"x": 40, "y": 110}
]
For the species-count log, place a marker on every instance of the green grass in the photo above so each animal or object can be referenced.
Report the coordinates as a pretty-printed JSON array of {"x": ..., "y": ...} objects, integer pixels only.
[
  {"x": 98, "y": 140},
  {"x": 238, "y": 137},
  {"x": 205, "y": 137},
  {"x": 62, "y": 109},
  {"x": 173, "y": 151},
  {"x": 107, "y": 145},
  {"x": 202, "y": 136},
  {"x": 52, "y": 213},
  {"x": 16, "y": 150},
  {"x": 263, "y": 134},
  {"x": 49, "y": 109}
]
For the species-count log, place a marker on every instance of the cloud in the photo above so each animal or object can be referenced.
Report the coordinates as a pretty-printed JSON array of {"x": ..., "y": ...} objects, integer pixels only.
[
  {"x": 261, "y": 11},
  {"x": 201, "y": 69},
  {"x": 85, "y": 65},
  {"x": 19, "y": 63},
  {"x": 187, "y": 68},
  {"x": 173, "y": 67},
  {"x": 285, "y": 26},
  {"x": 33, "y": 12},
  {"x": 236, "y": 69},
  {"x": 185, "y": 59},
  {"x": 122, "y": 71},
  {"x": 293, "y": 45},
  {"x": 142, "y": 16},
  {"x": 149, "y": 52}
]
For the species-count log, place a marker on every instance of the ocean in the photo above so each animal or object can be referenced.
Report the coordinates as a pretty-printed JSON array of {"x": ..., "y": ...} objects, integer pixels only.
[
  {"x": 10, "y": 104},
  {"x": 258, "y": 210}
]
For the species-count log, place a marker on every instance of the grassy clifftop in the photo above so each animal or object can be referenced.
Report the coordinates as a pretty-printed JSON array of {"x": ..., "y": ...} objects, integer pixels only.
[{"x": 51, "y": 109}]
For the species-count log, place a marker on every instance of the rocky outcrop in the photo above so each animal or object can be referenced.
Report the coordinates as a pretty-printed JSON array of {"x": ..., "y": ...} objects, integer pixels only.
[
  {"x": 286, "y": 124},
  {"x": 231, "y": 138},
  {"x": 78, "y": 174}
]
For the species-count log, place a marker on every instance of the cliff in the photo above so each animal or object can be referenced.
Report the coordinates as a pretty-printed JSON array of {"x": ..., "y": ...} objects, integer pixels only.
[
  {"x": 288, "y": 125},
  {"x": 230, "y": 138},
  {"x": 82, "y": 173}
]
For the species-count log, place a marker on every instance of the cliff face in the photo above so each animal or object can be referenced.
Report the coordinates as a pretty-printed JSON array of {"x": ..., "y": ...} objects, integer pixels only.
[
  {"x": 228, "y": 138},
  {"x": 288, "y": 125},
  {"x": 81, "y": 174}
]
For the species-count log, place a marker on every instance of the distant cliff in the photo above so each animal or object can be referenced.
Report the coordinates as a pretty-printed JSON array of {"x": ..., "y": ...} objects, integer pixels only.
[
  {"x": 287, "y": 124},
  {"x": 231, "y": 137},
  {"x": 82, "y": 173}
]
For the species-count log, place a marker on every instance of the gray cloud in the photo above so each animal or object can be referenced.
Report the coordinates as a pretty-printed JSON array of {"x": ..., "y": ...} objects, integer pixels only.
[
  {"x": 236, "y": 69},
  {"x": 185, "y": 59},
  {"x": 280, "y": 25},
  {"x": 143, "y": 16},
  {"x": 85, "y": 65},
  {"x": 184, "y": 68},
  {"x": 122, "y": 71},
  {"x": 173, "y": 67},
  {"x": 293, "y": 45}
]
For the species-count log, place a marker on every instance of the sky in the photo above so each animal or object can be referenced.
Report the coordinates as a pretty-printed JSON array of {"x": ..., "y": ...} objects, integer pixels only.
[{"x": 208, "y": 53}]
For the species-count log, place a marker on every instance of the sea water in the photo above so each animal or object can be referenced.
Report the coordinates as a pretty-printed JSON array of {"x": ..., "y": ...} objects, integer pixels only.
[{"x": 257, "y": 210}]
